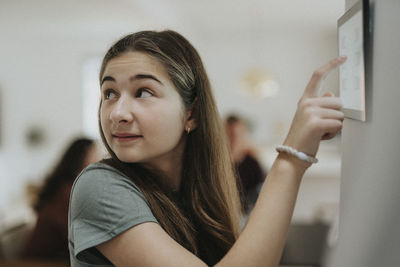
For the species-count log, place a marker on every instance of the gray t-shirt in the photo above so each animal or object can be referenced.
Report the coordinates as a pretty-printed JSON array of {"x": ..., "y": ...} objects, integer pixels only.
[{"x": 104, "y": 203}]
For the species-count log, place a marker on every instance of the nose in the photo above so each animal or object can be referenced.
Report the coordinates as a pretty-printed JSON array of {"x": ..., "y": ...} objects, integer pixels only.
[{"x": 122, "y": 111}]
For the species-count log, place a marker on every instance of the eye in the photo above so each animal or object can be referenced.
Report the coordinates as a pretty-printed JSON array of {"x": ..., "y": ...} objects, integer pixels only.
[
  {"x": 143, "y": 93},
  {"x": 109, "y": 94}
]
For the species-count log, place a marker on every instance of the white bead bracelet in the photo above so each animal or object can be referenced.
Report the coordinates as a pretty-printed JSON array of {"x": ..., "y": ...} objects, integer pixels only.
[{"x": 297, "y": 154}]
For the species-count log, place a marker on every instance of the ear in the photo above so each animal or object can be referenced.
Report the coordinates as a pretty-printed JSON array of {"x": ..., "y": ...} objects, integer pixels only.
[{"x": 190, "y": 121}]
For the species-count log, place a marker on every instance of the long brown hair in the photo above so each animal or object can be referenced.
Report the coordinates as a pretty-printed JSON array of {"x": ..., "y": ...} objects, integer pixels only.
[{"x": 205, "y": 220}]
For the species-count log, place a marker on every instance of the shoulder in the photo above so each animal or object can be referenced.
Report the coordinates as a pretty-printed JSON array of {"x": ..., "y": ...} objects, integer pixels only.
[
  {"x": 101, "y": 186},
  {"x": 104, "y": 203},
  {"x": 99, "y": 176},
  {"x": 100, "y": 171}
]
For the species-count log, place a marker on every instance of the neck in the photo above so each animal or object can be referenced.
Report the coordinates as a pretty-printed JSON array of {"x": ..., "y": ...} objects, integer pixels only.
[
  {"x": 170, "y": 165},
  {"x": 172, "y": 173}
]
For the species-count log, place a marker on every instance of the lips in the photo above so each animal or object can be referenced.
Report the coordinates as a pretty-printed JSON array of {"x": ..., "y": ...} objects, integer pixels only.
[{"x": 126, "y": 136}]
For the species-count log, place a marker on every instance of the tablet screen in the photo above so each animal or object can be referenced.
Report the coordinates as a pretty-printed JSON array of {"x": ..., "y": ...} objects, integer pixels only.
[{"x": 352, "y": 72}]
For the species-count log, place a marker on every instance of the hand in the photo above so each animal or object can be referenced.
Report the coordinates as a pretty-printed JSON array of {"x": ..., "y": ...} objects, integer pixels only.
[{"x": 316, "y": 118}]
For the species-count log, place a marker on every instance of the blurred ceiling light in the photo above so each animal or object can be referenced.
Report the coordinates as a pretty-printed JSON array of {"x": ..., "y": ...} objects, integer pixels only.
[{"x": 259, "y": 83}]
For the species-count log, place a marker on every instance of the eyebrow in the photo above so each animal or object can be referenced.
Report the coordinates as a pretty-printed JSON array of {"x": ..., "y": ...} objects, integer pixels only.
[
  {"x": 133, "y": 78},
  {"x": 107, "y": 78},
  {"x": 144, "y": 76}
]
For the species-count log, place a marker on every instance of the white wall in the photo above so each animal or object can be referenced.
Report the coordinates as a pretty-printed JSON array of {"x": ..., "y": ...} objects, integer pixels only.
[
  {"x": 370, "y": 190},
  {"x": 40, "y": 85}
]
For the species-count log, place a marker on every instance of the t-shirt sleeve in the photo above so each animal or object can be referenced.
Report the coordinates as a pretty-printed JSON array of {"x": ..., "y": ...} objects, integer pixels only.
[{"x": 104, "y": 203}]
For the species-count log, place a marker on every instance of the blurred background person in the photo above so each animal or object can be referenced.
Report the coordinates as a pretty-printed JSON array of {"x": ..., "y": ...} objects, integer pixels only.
[
  {"x": 250, "y": 172},
  {"x": 49, "y": 237}
]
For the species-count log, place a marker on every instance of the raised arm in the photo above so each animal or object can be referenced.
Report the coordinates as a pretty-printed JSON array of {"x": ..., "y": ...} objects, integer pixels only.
[{"x": 262, "y": 240}]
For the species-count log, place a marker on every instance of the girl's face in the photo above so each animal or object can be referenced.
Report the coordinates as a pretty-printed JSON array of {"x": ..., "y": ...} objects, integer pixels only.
[{"x": 142, "y": 114}]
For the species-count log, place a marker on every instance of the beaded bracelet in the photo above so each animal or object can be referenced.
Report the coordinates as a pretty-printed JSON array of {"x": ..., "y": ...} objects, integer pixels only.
[{"x": 297, "y": 154}]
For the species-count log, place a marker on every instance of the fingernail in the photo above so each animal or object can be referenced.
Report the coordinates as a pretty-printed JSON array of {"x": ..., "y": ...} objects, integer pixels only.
[{"x": 342, "y": 57}]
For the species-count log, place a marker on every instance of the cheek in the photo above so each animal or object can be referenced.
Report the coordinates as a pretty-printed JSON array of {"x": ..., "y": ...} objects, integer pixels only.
[
  {"x": 103, "y": 121},
  {"x": 105, "y": 126},
  {"x": 167, "y": 124}
]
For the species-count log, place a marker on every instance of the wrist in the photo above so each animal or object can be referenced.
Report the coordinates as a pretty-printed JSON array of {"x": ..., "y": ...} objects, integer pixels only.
[
  {"x": 295, "y": 153},
  {"x": 297, "y": 164}
]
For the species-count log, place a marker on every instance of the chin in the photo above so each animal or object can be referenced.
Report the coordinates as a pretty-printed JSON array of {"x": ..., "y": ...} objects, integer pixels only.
[{"x": 127, "y": 158}]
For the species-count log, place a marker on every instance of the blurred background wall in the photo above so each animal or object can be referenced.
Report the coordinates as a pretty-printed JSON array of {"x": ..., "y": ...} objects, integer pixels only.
[
  {"x": 45, "y": 45},
  {"x": 370, "y": 178}
]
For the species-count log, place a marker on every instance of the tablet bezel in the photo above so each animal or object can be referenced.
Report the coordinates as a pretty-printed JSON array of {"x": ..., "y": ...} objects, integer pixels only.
[{"x": 363, "y": 6}]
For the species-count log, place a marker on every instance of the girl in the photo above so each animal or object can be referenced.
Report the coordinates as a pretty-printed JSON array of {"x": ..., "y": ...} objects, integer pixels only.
[{"x": 167, "y": 195}]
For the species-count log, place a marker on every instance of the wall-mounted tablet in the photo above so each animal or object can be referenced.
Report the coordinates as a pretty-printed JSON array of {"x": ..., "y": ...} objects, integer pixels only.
[{"x": 353, "y": 28}]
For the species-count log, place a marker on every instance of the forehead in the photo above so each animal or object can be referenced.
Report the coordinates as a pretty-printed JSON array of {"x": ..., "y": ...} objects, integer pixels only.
[{"x": 134, "y": 62}]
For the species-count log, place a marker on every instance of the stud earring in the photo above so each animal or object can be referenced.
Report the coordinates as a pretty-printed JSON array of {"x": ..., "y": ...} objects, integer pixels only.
[{"x": 188, "y": 130}]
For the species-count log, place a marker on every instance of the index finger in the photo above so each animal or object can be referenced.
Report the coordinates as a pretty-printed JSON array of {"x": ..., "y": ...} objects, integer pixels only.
[{"x": 320, "y": 74}]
